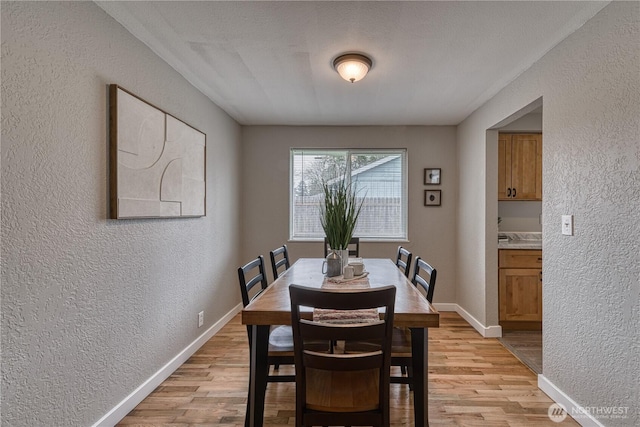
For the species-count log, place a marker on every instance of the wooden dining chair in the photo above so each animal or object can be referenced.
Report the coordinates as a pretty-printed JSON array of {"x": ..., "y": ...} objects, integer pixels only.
[
  {"x": 279, "y": 258},
  {"x": 403, "y": 260},
  {"x": 334, "y": 388},
  {"x": 354, "y": 247},
  {"x": 253, "y": 281},
  {"x": 424, "y": 277}
]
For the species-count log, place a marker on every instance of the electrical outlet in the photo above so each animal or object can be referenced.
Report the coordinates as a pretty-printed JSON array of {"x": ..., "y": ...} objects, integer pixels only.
[
  {"x": 567, "y": 225},
  {"x": 200, "y": 319}
]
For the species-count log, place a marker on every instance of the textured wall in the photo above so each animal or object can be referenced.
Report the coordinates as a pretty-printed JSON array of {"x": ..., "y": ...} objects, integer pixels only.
[
  {"x": 266, "y": 190},
  {"x": 590, "y": 85},
  {"x": 93, "y": 307}
]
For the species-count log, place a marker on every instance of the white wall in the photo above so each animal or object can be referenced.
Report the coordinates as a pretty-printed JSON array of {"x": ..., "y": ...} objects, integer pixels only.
[
  {"x": 590, "y": 88},
  {"x": 531, "y": 122},
  {"x": 265, "y": 201},
  {"x": 92, "y": 307}
]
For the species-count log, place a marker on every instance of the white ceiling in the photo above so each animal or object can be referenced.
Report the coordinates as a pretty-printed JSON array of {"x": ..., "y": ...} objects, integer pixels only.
[{"x": 434, "y": 63}]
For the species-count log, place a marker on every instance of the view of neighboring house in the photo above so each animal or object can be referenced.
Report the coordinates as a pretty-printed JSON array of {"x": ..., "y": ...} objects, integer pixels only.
[{"x": 378, "y": 186}]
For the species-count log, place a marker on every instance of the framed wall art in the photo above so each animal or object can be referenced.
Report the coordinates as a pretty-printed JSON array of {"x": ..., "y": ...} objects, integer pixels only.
[
  {"x": 157, "y": 162},
  {"x": 432, "y": 176},
  {"x": 432, "y": 197}
]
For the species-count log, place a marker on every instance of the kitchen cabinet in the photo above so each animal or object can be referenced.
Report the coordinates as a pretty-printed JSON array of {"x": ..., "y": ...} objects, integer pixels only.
[
  {"x": 519, "y": 166},
  {"x": 520, "y": 289}
]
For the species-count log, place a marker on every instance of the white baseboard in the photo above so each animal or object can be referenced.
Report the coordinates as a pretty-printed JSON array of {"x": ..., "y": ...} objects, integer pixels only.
[
  {"x": 571, "y": 406},
  {"x": 485, "y": 331},
  {"x": 116, "y": 414},
  {"x": 445, "y": 306}
]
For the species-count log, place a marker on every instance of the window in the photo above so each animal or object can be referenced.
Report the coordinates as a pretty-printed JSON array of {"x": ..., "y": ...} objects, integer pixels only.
[{"x": 379, "y": 178}]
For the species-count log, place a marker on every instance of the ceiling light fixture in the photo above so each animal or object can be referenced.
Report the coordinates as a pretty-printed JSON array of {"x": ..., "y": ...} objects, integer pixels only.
[{"x": 352, "y": 66}]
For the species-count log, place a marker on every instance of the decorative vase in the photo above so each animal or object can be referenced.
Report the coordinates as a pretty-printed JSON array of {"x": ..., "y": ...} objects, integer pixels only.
[{"x": 344, "y": 254}]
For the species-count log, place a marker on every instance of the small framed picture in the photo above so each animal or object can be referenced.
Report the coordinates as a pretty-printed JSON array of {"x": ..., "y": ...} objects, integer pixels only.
[
  {"x": 432, "y": 176},
  {"x": 432, "y": 197}
]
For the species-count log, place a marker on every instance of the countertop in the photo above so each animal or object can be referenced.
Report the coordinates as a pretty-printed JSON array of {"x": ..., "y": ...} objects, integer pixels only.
[{"x": 521, "y": 240}]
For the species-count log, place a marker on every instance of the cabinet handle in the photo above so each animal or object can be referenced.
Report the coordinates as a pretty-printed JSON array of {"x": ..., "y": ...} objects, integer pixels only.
[
  {"x": 539, "y": 259},
  {"x": 541, "y": 277},
  {"x": 514, "y": 192},
  {"x": 508, "y": 192}
]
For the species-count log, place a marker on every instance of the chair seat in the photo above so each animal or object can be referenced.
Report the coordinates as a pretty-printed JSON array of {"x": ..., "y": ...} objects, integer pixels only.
[
  {"x": 342, "y": 391},
  {"x": 401, "y": 342},
  {"x": 281, "y": 341},
  {"x": 280, "y": 352},
  {"x": 281, "y": 337}
]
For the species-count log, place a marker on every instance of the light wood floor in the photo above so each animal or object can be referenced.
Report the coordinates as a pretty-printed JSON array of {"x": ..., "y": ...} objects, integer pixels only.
[{"x": 473, "y": 381}]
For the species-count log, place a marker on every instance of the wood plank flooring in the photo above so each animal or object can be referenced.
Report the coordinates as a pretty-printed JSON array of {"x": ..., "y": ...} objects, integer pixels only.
[{"x": 473, "y": 381}]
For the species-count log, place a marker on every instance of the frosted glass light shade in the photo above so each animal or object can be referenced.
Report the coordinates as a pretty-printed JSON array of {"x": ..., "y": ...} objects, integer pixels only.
[{"x": 352, "y": 67}]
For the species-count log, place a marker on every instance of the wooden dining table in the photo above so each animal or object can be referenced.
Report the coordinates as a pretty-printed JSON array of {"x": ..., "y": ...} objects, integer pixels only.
[{"x": 272, "y": 307}]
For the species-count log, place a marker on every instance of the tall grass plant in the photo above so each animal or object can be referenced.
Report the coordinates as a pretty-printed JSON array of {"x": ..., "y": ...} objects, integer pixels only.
[{"x": 339, "y": 212}]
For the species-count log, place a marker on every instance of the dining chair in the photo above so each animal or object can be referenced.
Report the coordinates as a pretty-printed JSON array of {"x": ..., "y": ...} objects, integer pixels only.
[
  {"x": 250, "y": 276},
  {"x": 279, "y": 258},
  {"x": 403, "y": 260},
  {"x": 354, "y": 247},
  {"x": 334, "y": 388},
  {"x": 424, "y": 277}
]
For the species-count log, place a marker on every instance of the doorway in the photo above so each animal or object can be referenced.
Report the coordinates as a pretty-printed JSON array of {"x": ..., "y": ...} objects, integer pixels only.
[{"x": 520, "y": 234}]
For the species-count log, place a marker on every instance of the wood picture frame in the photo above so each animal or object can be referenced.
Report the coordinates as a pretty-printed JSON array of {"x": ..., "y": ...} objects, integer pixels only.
[
  {"x": 432, "y": 176},
  {"x": 432, "y": 197},
  {"x": 156, "y": 161}
]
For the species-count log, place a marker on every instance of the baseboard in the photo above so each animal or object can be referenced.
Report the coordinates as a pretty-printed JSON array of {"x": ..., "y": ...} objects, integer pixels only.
[
  {"x": 575, "y": 411},
  {"x": 445, "y": 306},
  {"x": 485, "y": 331},
  {"x": 116, "y": 414}
]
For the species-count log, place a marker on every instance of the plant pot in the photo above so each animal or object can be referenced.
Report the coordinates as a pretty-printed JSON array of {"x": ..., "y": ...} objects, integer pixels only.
[{"x": 345, "y": 257}]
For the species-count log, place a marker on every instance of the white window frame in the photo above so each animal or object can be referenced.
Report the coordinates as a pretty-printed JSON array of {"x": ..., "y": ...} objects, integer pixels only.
[{"x": 349, "y": 152}]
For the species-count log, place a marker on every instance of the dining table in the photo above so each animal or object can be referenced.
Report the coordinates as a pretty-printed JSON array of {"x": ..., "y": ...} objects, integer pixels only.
[{"x": 272, "y": 307}]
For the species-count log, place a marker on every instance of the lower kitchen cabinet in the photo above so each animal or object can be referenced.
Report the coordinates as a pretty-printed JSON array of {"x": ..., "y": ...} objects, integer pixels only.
[{"x": 520, "y": 289}]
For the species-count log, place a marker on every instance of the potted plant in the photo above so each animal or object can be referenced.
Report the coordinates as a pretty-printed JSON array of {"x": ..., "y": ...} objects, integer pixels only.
[{"x": 339, "y": 214}]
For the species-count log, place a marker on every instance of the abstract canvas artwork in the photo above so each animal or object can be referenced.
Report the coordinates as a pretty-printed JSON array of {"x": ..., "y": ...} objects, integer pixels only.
[{"x": 157, "y": 161}]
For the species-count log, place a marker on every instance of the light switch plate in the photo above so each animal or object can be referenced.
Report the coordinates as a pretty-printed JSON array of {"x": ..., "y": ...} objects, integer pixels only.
[{"x": 567, "y": 225}]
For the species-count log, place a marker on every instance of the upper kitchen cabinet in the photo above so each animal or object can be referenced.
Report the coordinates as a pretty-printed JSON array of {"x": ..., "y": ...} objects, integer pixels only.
[{"x": 519, "y": 166}]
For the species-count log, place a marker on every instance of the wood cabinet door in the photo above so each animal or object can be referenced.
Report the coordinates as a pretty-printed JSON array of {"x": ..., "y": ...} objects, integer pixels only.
[
  {"x": 520, "y": 293},
  {"x": 520, "y": 258},
  {"x": 504, "y": 165},
  {"x": 526, "y": 167}
]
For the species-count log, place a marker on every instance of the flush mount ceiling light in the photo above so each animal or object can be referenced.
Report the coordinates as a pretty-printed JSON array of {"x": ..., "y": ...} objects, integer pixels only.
[{"x": 352, "y": 66}]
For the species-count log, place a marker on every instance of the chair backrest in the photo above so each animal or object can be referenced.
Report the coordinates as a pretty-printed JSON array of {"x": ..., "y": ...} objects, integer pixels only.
[
  {"x": 308, "y": 333},
  {"x": 279, "y": 258},
  {"x": 249, "y": 275},
  {"x": 425, "y": 276},
  {"x": 403, "y": 260},
  {"x": 354, "y": 247}
]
